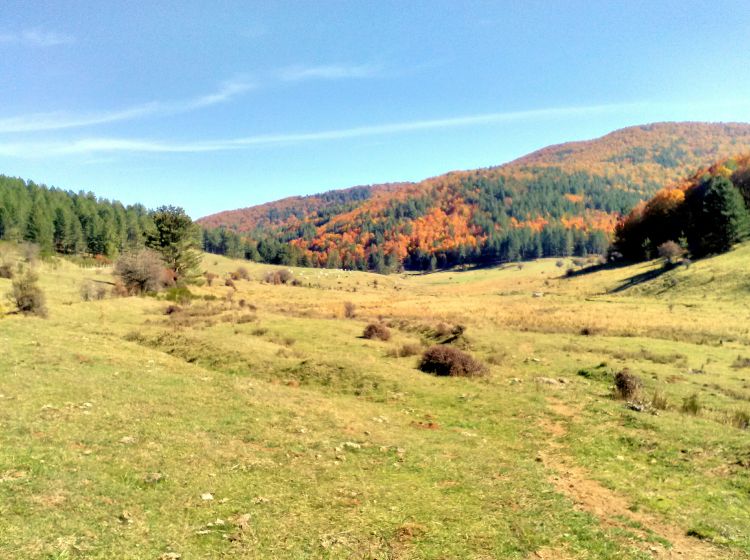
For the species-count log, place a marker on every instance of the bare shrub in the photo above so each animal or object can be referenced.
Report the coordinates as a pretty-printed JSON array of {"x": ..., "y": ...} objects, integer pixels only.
[
  {"x": 277, "y": 277},
  {"x": 28, "y": 296},
  {"x": 241, "y": 274},
  {"x": 172, "y": 309},
  {"x": 230, "y": 283},
  {"x": 447, "y": 360},
  {"x": 350, "y": 310},
  {"x": 93, "y": 291},
  {"x": 140, "y": 271},
  {"x": 741, "y": 363},
  {"x": 670, "y": 251},
  {"x": 210, "y": 277},
  {"x": 627, "y": 385},
  {"x": 377, "y": 331}
]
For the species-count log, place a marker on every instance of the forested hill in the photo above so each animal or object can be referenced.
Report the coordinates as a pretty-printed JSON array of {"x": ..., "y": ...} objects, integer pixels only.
[
  {"x": 68, "y": 222},
  {"x": 561, "y": 200}
]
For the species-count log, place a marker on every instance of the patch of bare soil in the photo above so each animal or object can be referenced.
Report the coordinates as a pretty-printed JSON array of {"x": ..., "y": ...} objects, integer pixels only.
[{"x": 611, "y": 509}]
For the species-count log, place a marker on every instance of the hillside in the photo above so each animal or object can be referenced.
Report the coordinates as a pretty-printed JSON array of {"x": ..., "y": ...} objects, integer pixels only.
[
  {"x": 558, "y": 201},
  {"x": 255, "y": 421}
]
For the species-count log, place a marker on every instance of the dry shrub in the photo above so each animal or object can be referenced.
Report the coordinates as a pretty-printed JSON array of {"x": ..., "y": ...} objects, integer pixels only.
[
  {"x": 670, "y": 251},
  {"x": 6, "y": 271},
  {"x": 92, "y": 291},
  {"x": 27, "y": 296},
  {"x": 210, "y": 277},
  {"x": 140, "y": 271},
  {"x": 241, "y": 274},
  {"x": 350, "y": 310},
  {"x": 741, "y": 363},
  {"x": 277, "y": 277},
  {"x": 119, "y": 289},
  {"x": 230, "y": 283},
  {"x": 627, "y": 385},
  {"x": 377, "y": 331},
  {"x": 172, "y": 309},
  {"x": 447, "y": 360}
]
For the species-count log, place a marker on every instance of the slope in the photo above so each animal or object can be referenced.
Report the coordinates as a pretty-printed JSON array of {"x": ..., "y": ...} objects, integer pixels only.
[{"x": 561, "y": 200}]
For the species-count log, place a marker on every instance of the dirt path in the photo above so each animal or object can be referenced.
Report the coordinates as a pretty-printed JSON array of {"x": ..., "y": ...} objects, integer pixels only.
[{"x": 612, "y": 509}]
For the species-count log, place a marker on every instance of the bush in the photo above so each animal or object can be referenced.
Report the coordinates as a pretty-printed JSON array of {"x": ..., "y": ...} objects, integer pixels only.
[
  {"x": 277, "y": 277},
  {"x": 241, "y": 274},
  {"x": 350, "y": 310},
  {"x": 180, "y": 295},
  {"x": 6, "y": 271},
  {"x": 691, "y": 404},
  {"x": 627, "y": 385},
  {"x": 210, "y": 277},
  {"x": 230, "y": 283},
  {"x": 447, "y": 360},
  {"x": 27, "y": 296},
  {"x": 140, "y": 271},
  {"x": 377, "y": 331},
  {"x": 172, "y": 309},
  {"x": 93, "y": 291},
  {"x": 670, "y": 251}
]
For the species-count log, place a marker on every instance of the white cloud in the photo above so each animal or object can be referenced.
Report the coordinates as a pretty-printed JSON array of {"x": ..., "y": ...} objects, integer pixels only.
[
  {"x": 326, "y": 72},
  {"x": 36, "y": 38},
  {"x": 112, "y": 145},
  {"x": 59, "y": 120}
]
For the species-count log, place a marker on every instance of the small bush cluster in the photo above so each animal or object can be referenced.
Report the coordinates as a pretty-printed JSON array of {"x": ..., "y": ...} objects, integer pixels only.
[
  {"x": 277, "y": 277},
  {"x": 627, "y": 385},
  {"x": 28, "y": 296},
  {"x": 450, "y": 361},
  {"x": 377, "y": 331},
  {"x": 229, "y": 283}
]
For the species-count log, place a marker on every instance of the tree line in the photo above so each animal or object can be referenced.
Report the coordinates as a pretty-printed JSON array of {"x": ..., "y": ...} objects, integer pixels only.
[{"x": 706, "y": 214}]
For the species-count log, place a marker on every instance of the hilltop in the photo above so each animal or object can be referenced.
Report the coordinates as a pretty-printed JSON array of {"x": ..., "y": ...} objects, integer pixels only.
[{"x": 559, "y": 201}]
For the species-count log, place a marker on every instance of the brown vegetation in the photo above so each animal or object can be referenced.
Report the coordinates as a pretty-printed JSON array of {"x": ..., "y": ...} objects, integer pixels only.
[{"x": 446, "y": 360}]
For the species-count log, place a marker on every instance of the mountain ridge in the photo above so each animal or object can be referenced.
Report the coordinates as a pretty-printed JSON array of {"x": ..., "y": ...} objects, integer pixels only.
[{"x": 561, "y": 199}]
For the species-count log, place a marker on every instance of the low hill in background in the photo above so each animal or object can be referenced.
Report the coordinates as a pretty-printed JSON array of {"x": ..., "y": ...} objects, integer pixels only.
[{"x": 558, "y": 201}]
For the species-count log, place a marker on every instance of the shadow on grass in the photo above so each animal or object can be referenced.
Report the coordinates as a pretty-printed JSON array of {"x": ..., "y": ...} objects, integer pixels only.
[{"x": 643, "y": 277}]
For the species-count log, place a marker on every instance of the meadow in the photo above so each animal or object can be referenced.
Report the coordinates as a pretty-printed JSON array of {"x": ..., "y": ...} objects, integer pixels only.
[{"x": 253, "y": 420}]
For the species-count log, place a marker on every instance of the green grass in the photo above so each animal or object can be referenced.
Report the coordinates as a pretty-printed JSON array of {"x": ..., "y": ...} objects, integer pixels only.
[{"x": 332, "y": 448}]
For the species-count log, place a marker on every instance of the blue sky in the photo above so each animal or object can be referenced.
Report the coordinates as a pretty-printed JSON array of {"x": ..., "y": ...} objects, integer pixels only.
[{"x": 220, "y": 105}]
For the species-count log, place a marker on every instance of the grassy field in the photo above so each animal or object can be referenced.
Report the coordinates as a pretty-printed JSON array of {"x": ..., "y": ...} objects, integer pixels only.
[{"x": 256, "y": 422}]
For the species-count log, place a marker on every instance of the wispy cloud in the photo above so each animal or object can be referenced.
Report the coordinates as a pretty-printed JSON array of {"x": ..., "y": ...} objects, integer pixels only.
[
  {"x": 59, "y": 120},
  {"x": 111, "y": 145},
  {"x": 36, "y": 38},
  {"x": 327, "y": 72}
]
